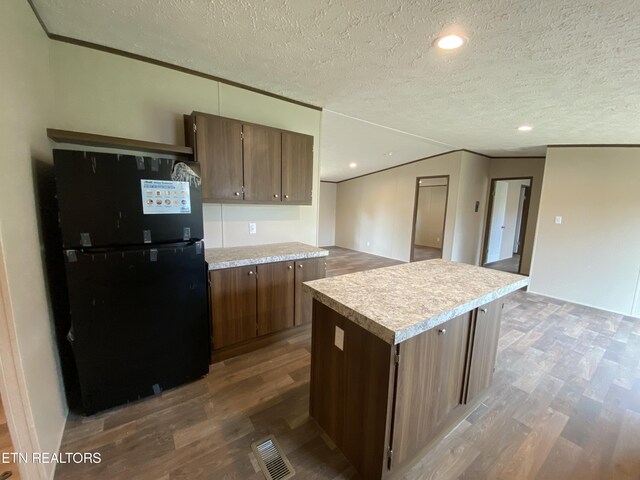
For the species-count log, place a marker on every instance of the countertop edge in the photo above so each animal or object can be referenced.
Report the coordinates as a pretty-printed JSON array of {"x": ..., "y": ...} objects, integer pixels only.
[
  {"x": 437, "y": 320},
  {"x": 394, "y": 338},
  {"x": 266, "y": 259},
  {"x": 369, "y": 325}
]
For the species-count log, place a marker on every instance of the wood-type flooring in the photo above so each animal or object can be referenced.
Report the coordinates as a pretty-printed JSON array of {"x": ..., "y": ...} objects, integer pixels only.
[
  {"x": 6, "y": 447},
  {"x": 421, "y": 253},
  {"x": 564, "y": 405},
  {"x": 511, "y": 264}
]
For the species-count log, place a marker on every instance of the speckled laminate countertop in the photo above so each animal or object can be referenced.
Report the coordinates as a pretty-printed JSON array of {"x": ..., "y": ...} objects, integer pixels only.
[
  {"x": 218, "y": 258},
  {"x": 400, "y": 302}
]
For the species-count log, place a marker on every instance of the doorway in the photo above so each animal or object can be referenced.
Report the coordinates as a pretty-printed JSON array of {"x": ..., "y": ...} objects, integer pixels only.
[
  {"x": 506, "y": 223},
  {"x": 429, "y": 217}
]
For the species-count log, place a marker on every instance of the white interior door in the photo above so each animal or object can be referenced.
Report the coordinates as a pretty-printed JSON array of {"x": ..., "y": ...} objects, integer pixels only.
[{"x": 497, "y": 222}]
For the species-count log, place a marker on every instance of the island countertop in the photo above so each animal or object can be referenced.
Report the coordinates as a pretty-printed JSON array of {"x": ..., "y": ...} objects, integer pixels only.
[
  {"x": 219, "y": 258},
  {"x": 399, "y": 302}
]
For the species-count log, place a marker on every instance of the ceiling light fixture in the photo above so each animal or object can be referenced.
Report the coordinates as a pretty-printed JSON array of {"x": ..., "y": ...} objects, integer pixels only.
[
  {"x": 389, "y": 153},
  {"x": 450, "y": 42},
  {"x": 353, "y": 165},
  {"x": 525, "y": 128}
]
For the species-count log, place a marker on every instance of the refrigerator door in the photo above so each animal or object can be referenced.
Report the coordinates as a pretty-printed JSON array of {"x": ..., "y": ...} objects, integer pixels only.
[
  {"x": 139, "y": 321},
  {"x": 107, "y": 199}
]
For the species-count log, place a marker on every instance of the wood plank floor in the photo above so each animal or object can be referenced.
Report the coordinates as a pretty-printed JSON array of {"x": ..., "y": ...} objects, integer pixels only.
[
  {"x": 421, "y": 253},
  {"x": 6, "y": 446},
  {"x": 565, "y": 404},
  {"x": 511, "y": 264}
]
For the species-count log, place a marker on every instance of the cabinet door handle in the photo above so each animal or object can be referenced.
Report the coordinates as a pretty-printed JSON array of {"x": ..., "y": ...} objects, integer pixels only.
[
  {"x": 290, "y": 267},
  {"x": 250, "y": 272},
  {"x": 275, "y": 195},
  {"x": 483, "y": 310},
  {"x": 300, "y": 266},
  {"x": 442, "y": 331},
  {"x": 237, "y": 194},
  {"x": 286, "y": 196}
]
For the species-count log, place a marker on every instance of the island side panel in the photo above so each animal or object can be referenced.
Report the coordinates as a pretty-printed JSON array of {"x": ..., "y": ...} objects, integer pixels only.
[
  {"x": 430, "y": 382},
  {"x": 350, "y": 388}
]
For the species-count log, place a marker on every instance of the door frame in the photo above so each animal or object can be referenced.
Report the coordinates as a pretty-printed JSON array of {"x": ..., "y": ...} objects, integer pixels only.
[
  {"x": 415, "y": 211},
  {"x": 13, "y": 388},
  {"x": 524, "y": 216},
  {"x": 487, "y": 222}
]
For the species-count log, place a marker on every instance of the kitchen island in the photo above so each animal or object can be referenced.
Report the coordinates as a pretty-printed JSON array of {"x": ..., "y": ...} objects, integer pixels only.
[{"x": 400, "y": 355}]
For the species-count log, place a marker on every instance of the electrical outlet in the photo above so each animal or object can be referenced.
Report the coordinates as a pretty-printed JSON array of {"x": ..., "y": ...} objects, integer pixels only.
[
  {"x": 252, "y": 228},
  {"x": 558, "y": 220},
  {"x": 368, "y": 243},
  {"x": 339, "y": 338}
]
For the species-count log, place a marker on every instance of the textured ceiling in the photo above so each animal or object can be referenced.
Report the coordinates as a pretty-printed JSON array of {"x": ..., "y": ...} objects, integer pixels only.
[{"x": 567, "y": 67}]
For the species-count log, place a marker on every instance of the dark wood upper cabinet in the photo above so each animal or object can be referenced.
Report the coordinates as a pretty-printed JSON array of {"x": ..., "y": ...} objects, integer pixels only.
[
  {"x": 275, "y": 296},
  {"x": 262, "y": 164},
  {"x": 297, "y": 167},
  {"x": 306, "y": 270},
  {"x": 484, "y": 345},
  {"x": 218, "y": 145},
  {"x": 233, "y": 305},
  {"x": 243, "y": 162}
]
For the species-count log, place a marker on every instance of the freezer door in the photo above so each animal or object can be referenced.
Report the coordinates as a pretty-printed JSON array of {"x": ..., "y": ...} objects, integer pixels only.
[
  {"x": 139, "y": 321},
  {"x": 113, "y": 200}
]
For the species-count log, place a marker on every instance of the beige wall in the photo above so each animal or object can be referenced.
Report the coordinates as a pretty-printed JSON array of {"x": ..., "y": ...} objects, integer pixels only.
[
  {"x": 327, "y": 215},
  {"x": 593, "y": 257},
  {"x": 374, "y": 213},
  {"x": 518, "y": 168},
  {"x": 102, "y": 93},
  {"x": 25, "y": 112},
  {"x": 474, "y": 170},
  {"x": 432, "y": 201}
]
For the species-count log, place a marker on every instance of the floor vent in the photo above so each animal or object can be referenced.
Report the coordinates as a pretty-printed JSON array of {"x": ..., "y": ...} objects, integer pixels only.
[{"x": 272, "y": 461}]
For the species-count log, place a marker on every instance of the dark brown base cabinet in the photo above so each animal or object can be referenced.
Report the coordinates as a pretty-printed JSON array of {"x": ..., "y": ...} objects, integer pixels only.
[
  {"x": 252, "y": 301},
  {"x": 382, "y": 404}
]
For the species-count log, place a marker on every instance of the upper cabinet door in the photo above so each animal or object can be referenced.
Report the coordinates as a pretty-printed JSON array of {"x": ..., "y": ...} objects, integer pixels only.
[
  {"x": 262, "y": 164},
  {"x": 219, "y": 152},
  {"x": 297, "y": 168}
]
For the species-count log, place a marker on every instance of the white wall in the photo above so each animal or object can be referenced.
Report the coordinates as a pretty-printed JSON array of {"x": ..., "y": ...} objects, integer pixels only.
[
  {"x": 327, "y": 215},
  {"x": 593, "y": 257},
  {"x": 25, "y": 112},
  {"x": 512, "y": 207},
  {"x": 374, "y": 213},
  {"x": 97, "y": 92}
]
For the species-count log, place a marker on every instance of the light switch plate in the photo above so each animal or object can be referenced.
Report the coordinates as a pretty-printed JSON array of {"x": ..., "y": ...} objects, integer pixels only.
[
  {"x": 339, "y": 340},
  {"x": 558, "y": 220}
]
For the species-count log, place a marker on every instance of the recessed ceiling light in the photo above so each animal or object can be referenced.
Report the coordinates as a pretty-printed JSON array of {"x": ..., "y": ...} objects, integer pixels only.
[
  {"x": 353, "y": 165},
  {"x": 450, "y": 42},
  {"x": 525, "y": 128},
  {"x": 389, "y": 153}
]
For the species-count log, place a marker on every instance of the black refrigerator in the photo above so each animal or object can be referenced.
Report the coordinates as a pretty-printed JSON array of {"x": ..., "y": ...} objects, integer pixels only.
[{"x": 132, "y": 232}]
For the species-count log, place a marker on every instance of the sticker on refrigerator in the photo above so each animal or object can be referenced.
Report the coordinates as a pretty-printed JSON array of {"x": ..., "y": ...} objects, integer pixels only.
[{"x": 164, "y": 196}]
